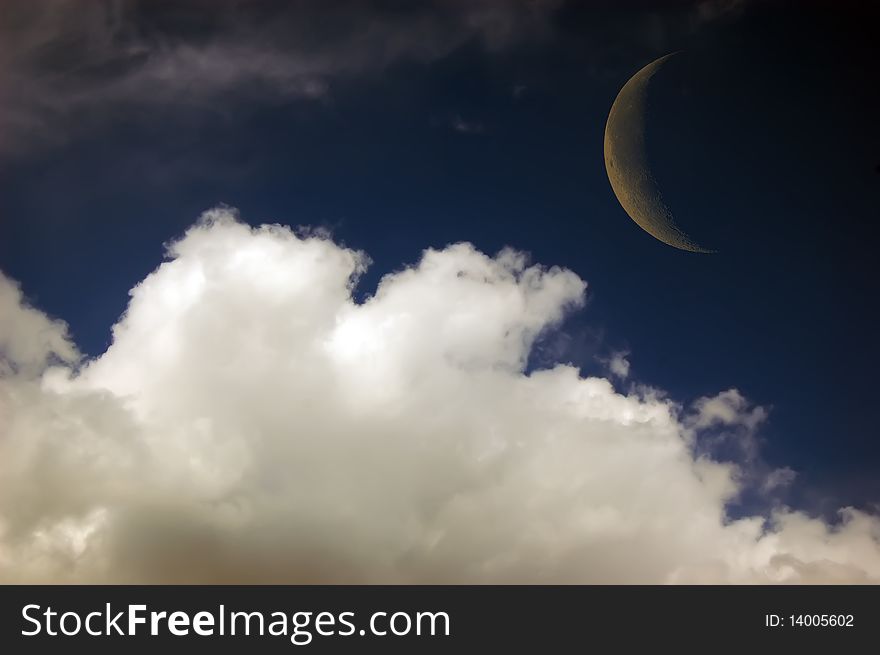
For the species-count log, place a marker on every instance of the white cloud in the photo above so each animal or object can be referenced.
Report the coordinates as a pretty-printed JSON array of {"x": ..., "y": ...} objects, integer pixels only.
[
  {"x": 251, "y": 423},
  {"x": 28, "y": 339},
  {"x": 729, "y": 408},
  {"x": 619, "y": 365}
]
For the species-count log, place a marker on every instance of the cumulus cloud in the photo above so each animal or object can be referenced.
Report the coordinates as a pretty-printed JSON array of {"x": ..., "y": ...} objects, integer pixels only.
[
  {"x": 66, "y": 64},
  {"x": 29, "y": 340},
  {"x": 251, "y": 422}
]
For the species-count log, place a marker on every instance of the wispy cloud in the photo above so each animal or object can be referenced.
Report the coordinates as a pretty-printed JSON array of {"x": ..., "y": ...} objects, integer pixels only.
[
  {"x": 463, "y": 126},
  {"x": 67, "y": 65}
]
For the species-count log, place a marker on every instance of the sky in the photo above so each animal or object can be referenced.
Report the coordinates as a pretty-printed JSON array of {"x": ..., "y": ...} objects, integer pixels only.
[{"x": 454, "y": 356}]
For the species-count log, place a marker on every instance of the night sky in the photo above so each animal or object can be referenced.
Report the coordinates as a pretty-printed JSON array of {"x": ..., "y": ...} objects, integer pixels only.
[{"x": 762, "y": 132}]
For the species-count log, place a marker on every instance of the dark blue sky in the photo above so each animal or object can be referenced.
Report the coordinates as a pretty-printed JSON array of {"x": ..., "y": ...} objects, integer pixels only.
[{"x": 763, "y": 136}]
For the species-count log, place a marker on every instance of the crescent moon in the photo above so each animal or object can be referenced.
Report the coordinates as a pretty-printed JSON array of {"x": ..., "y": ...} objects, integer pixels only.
[{"x": 626, "y": 162}]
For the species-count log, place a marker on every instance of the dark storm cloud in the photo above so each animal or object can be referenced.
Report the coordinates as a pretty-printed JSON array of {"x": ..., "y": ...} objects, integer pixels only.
[{"x": 65, "y": 63}]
